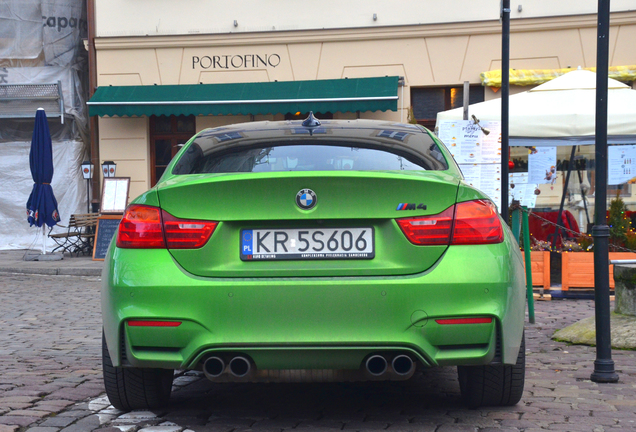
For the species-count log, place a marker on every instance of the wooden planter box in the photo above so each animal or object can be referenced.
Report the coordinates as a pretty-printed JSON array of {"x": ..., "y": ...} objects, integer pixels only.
[
  {"x": 577, "y": 269},
  {"x": 540, "y": 264}
]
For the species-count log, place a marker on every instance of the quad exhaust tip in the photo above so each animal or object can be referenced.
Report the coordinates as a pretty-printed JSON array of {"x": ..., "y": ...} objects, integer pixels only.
[
  {"x": 240, "y": 366},
  {"x": 213, "y": 367},
  {"x": 376, "y": 365},
  {"x": 402, "y": 364}
]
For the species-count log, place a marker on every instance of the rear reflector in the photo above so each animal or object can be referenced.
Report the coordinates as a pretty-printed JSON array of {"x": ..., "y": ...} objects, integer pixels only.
[
  {"x": 154, "y": 323},
  {"x": 147, "y": 227},
  {"x": 470, "y": 222},
  {"x": 464, "y": 321}
]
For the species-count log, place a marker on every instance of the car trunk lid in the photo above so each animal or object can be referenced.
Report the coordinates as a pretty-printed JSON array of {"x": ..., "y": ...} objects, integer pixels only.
[{"x": 345, "y": 203}]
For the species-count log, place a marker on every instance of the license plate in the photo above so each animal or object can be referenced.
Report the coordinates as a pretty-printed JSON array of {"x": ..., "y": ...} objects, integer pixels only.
[{"x": 307, "y": 244}]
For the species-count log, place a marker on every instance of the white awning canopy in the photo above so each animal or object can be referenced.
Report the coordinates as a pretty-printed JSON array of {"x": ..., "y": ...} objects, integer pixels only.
[{"x": 561, "y": 112}]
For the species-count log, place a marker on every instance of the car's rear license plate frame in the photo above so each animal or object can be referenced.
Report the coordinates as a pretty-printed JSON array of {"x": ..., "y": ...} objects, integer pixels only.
[{"x": 267, "y": 244}]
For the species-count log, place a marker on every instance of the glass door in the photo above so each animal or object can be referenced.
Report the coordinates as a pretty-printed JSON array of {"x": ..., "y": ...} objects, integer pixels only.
[{"x": 167, "y": 135}]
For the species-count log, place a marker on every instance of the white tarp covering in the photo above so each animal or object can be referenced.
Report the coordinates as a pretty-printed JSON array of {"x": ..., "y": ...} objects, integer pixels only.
[
  {"x": 42, "y": 44},
  {"x": 64, "y": 25},
  {"x": 20, "y": 29},
  {"x": 48, "y": 29},
  {"x": 16, "y": 184},
  {"x": 561, "y": 112}
]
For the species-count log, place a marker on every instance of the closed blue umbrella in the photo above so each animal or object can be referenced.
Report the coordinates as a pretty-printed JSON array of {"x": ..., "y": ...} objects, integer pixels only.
[{"x": 42, "y": 205}]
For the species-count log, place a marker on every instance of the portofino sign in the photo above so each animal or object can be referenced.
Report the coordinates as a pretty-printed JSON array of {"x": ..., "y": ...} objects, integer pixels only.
[{"x": 236, "y": 61}]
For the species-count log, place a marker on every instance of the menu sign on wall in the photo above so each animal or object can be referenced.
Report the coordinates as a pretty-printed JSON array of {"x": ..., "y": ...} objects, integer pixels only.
[
  {"x": 468, "y": 144},
  {"x": 486, "y": 178},
  {"x": 477, "y": 153}
]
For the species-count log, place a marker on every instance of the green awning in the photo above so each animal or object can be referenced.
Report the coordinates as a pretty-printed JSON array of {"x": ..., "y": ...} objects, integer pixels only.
[{"x": 343, "y": 95}]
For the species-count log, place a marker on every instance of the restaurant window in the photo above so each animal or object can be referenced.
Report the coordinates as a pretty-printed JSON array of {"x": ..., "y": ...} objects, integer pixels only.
[
  {"x": 428, "y": 101},
  {"x": 167, "y": 135}
]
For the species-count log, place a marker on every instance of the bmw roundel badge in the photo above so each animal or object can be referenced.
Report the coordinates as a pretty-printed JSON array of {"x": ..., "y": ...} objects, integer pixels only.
[{"x": 306, "y": 199}]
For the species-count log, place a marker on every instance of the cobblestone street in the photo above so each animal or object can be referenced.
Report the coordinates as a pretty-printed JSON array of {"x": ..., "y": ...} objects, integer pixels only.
[
  {"x": 49, "y": 346},
  {"x": 51, "y": 381}
]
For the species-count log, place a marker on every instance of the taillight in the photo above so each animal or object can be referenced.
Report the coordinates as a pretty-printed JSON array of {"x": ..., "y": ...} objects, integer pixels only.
[
  {"x": 470, "y": 222},
  {"x": 186, "y": 234},
  {"x": 477, "y": 222},
  {"x": 429, "y": 230},
  {"x": 146, "y": 227},
  {"x": 141, "y": 228}
]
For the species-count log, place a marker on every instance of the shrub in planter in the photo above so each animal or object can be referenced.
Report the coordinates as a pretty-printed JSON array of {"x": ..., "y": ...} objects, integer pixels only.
[
  {"x": 586, "y": 242},
  {"x": 618, "y": 222},
  {"x": 630, "y": 240}
]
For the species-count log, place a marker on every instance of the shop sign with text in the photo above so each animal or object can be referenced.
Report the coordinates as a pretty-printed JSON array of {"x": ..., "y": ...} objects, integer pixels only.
[{"x": 236, "y": 61}]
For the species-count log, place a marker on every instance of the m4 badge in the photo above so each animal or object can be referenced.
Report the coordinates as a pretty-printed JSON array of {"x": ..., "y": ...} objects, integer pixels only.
[{"x": 411, "y": 206}]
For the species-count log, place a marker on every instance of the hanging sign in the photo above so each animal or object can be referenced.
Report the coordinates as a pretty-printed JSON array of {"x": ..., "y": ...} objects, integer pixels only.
[
  {"x": 520, "y": 190},
  {"x": 542, "y": 165},
  {"x": 621, "y": 164}
]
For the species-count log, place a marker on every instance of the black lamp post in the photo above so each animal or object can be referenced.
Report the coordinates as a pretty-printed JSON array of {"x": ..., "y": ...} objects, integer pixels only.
[
  {"x": 505, "y": 95},
  {"x": 87, "y": 173},
  {"x": 603, "y": 365}
]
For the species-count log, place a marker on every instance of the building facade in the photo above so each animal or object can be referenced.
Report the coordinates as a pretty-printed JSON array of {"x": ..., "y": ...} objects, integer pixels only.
[{"x": 429, "y": 48}]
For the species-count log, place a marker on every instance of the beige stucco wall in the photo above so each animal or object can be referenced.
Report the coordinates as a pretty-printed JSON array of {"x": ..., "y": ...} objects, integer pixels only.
[
  {"x": 426, "y": 55},
  {"x": 164, "y": 17},
  {"x": 125, "y": 141}
]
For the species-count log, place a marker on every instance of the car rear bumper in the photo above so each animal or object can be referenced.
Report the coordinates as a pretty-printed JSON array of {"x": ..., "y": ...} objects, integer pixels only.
[{"x": 314, "y": 323}]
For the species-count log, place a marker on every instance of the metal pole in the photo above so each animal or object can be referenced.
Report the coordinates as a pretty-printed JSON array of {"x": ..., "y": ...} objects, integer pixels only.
[
  {"x": 526, "y": 241},
  {"x": 88, "y": 195},
  {"x": 603, "y": 365},
  {"x": 587, "y": 214},
  {"x": 516, "y": 222},
  {"x": 555, "y": 235},
  {"x": 92, "y": 86},
  {"x": 466, "y": 98},
  {"x": 505, "y": 95}
]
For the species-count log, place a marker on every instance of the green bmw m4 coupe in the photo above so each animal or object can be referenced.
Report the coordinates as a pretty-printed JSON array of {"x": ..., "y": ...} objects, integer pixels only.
[{"x": 312, "y": 251}]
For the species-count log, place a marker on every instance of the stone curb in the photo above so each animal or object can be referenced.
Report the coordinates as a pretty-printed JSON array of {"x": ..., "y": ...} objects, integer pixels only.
[{"x": 74, "y": 271}]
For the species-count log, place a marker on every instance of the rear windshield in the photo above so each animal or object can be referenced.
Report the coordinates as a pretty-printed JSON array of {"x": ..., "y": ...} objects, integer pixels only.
[{"x": 303, "y": 157}]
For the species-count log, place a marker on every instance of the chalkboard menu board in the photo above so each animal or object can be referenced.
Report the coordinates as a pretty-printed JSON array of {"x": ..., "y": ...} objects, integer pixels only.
[{"x": 106, "y": 229}]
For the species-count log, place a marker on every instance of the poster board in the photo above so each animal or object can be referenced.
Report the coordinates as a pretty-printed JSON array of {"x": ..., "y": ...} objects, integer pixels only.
[
  {"x": 522, "y": 190},
  {"x": 542, "y": 164},
  {"x": 621, "y": 160},
  {"x": 105, "y": 232},
  {"x": 114, "y": 195},
  {"x": 477, "y": 153}
]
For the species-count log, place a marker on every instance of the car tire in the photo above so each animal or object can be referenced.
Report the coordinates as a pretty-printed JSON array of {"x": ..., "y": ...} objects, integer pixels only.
[
  {"x": 493, "y": 385},
  {"x": 135, "y": 388}
]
